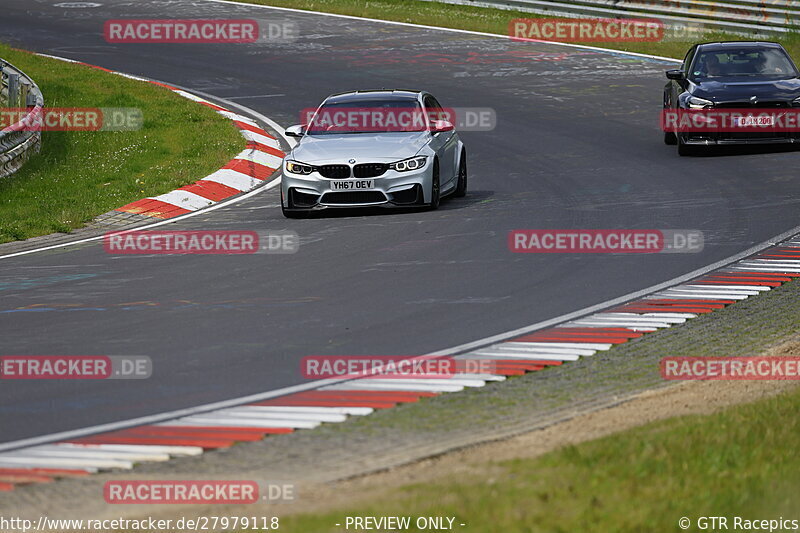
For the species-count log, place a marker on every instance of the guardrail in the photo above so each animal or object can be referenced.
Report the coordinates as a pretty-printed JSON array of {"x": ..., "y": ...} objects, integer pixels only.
[
  {"x": 751, "y": 17},
  {"x": 22, "y": 139}
]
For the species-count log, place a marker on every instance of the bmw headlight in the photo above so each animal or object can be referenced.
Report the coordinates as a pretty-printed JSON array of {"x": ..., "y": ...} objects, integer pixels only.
[
  {"x": 414, "y": 163},
  {"x": 694, "y": 102},
  {"x": 296, "y": 167},
  {"x": 796, "y": 102}
]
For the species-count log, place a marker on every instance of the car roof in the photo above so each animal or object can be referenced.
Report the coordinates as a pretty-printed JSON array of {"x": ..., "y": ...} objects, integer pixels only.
[
  {"x": 373, "y": 94},
  {"x": 722, "y": 45}
]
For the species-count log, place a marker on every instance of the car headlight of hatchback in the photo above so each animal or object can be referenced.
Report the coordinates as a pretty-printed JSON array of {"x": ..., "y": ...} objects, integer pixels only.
[
  {"x": 413, "y": 163},
  {"x": 694, "y": 102},
  {"x": 296, "y": 167}
]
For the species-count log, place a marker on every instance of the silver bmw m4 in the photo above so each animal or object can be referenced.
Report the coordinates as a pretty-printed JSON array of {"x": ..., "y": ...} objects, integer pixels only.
[{"x": 387, "y": 148}]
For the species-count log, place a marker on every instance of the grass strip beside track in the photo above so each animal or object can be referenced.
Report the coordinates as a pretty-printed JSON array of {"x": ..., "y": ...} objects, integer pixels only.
[
  {"x": 490, "y": 20},
  {"x": 740, "y": 462},
  {"x": 79, "y": 175}
]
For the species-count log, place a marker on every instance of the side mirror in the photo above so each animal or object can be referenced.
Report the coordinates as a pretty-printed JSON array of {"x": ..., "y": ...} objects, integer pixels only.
[
  {"x": 440, "y": 126},
  {"x": 298, "y": 130},
  {"x": 676, "y": 75}
]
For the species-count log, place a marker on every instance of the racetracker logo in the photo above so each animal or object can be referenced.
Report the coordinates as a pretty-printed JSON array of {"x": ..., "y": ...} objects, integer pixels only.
[
  {"x": 605, "y": 241},
  {"x": 587, "y": 30},
  {"x": 236, "y": 242},
  {"x": 75, "y": 367},
  {"x": 392, "y": 367},
  {"x": 731, "y": 120},
  {"x": 180, "y": 492},
  {"x": 399, "y": 119},
  {"x": 71, "y": 119},
  {"x": 181, "y": 31},
  {"x": 730, "y": 368}
]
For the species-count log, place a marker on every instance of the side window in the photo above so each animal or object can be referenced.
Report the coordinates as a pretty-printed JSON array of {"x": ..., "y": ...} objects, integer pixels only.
[
  {"x": 434, "y": 110},
  {"x": 687, "y": 61}
]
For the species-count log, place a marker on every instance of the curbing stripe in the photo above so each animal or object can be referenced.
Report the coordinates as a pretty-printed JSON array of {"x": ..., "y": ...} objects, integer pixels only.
[{"x": 233, "y": 179}]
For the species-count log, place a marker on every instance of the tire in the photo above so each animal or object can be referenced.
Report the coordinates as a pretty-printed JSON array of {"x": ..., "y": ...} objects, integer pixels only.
[
  {"x": 670, "y": 138},
  {"x": 685, "y": 149},
  {"x": 436, "y": 192},
  {"x": 290, "y": 214},
  {"x": 461, "y": 184}
]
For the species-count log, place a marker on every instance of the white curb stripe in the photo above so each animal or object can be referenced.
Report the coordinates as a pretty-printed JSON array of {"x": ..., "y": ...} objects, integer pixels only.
[
  {"x": 657, "y": 314},
  {"x": 520, "y": 347},
  {"x": 262, "y": 139},
  {"x": 577, "y": 345},
  {"x": 144, "y": 448},
  {"x": 757, "y": 288},
  {"x": 45, "y": 463},
  {"x": 185, "y": 199},
  {"x": 262, "y": 158},
  {"x": 766, "y": 269},
  {"x": 210, "y": 419},
  {"x": 354, "y": 411},
  {"x": 708, "y": 294},
  {"x": 190, "y": 96},
  {"x": 355, "y": 385},
  {"x": 232, "y": 178},
  {"x": 129, "y": 76},
  {"x": 484, "y": 377},
  {"x": 238, "y": 117},
  {"x": 770, "y": 264},
  {"x": 64, "y": 450},
  {"x": 702, "y": 289},
  {"x": 636, "y": 318},
  {"x": 589, "y": 322},
  {"x": 530, "y": 357},
  {"x": 248, "y": 413},
  {"x": 426, "y": 381},
  {"x": 636, "y": 328},
  {"x": 37, "y": 461}
]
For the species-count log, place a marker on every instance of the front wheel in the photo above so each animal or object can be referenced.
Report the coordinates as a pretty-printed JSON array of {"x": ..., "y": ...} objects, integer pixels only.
[
  {"x": 287, "y": 213},
  {"x": 685, "y": 149},
  {"x": 461, "y": 185},
  {"x": 435, "y": 191}
]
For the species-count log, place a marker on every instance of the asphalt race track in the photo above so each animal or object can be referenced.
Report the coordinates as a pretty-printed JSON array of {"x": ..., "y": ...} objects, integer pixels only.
[{"x": 577, "y": 145}]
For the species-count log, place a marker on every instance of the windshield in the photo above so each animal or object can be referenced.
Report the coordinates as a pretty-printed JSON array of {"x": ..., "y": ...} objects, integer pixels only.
[
  {"x": 368, "y": 116},
  {"x": 768, "y": 63}
]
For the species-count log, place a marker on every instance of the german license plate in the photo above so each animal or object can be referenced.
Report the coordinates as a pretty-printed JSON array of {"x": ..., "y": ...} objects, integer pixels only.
[{"x": 751, "y": 121}]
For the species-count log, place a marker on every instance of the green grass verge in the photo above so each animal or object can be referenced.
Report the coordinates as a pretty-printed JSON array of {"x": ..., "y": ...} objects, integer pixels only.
[
  {"x": 79, "y": 175},
  {"x": 486, "y": 20},
  {"x": 741, "y": 462}
]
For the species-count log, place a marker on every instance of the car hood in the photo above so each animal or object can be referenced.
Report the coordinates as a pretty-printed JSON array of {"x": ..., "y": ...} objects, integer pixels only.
[
  {"x": 734, "y": 90},
  {"x": 363, "y": 147}
]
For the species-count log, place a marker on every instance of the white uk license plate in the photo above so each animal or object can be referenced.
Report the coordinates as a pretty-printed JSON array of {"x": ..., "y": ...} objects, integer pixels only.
[{"x": 352, "y": 185}]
